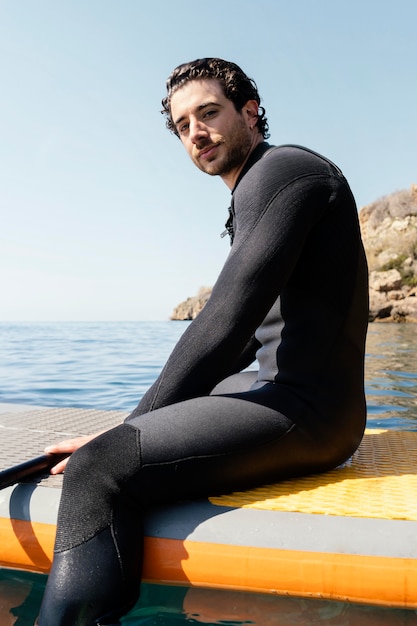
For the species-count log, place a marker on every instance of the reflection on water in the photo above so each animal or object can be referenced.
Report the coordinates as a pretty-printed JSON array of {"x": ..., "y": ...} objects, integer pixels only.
[
  {"x": 391, "y": 376},
  {"x": 216, "y": 607},
  {"x": 21, "y": 595}
]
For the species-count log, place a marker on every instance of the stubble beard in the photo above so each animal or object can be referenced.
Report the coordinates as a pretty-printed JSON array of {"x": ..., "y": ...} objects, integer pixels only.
[{"x": 235, "y": 147}]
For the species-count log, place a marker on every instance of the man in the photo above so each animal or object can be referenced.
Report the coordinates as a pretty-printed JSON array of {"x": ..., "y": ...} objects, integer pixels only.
[{"x": 292, "y": 293}]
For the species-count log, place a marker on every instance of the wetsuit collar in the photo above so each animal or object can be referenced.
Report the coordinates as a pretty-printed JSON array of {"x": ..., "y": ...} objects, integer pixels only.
[{"x": 254, "y": 156}]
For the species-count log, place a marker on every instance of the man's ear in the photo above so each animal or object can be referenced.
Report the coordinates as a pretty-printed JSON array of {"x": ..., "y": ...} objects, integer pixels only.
[{"x": 250, "y": 112}]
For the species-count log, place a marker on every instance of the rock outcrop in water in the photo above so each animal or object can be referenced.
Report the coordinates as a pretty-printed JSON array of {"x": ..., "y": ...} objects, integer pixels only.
[
  {"x": 190, "y": 308},
  {"x": 389, "y": 232}
]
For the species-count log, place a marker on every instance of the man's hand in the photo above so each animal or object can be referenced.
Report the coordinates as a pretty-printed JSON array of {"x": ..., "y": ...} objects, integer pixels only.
[{"x": 70, "y": 446}]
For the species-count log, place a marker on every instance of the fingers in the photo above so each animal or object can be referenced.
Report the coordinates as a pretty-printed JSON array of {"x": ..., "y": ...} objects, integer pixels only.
[
  {"x": 59, "y": 467},
  {"x": 70, "y": 446}
]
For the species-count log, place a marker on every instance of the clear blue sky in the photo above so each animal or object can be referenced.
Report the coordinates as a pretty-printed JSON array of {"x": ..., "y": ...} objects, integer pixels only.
[{"x": 102, "y": 215}]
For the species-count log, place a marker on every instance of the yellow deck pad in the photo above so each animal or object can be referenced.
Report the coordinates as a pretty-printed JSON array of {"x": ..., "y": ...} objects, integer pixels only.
[{"x": 379, "y": 481}]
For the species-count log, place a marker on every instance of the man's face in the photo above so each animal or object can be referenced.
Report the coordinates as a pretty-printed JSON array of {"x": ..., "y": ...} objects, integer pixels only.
[{"x": 216, "y": 136}]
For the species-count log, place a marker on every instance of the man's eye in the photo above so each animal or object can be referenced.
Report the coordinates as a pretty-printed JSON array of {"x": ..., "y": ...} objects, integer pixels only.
[
  {"x": 183, "y": 128},
  {"x": 210, "y": 113}
]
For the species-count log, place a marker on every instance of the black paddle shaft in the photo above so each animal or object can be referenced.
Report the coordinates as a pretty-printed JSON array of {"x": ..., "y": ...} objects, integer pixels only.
[{"x": 34, "y": 467}]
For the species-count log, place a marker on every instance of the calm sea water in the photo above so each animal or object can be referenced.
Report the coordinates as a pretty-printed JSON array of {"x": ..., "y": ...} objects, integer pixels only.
[
  {"x": 88, "y": 365},
  {"x": 109, "y": 366}
]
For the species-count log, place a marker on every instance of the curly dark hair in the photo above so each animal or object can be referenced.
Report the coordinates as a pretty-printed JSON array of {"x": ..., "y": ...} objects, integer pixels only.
[{"x": 237, "y": 87}]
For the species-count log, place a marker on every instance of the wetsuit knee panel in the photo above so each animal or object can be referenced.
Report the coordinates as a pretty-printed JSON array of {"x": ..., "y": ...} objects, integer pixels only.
[{"x": 92, "y": 481}]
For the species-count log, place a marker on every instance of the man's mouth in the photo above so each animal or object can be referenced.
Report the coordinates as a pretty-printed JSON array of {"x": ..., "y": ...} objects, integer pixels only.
[{"x": 207, "y": 151}]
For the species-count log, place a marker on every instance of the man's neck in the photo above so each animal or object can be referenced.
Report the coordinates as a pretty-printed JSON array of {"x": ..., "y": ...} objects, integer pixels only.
[{"x": 231, "y": 177}]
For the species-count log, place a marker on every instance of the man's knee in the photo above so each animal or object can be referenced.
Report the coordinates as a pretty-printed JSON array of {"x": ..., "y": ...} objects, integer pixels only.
[{"x": 92, "y": 481}]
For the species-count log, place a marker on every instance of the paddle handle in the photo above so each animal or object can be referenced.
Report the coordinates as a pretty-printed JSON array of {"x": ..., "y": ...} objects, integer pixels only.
[{"x": 34, "y": 467}]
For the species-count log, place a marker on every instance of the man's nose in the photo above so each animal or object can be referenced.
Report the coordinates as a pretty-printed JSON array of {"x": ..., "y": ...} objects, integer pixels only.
[{"x": 198, "y": 131}]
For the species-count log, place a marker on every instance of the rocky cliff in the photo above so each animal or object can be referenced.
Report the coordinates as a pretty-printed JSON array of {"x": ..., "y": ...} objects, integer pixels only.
[
  {"x": 190, "y": 308},
  {"x": 389, "y": 232}
]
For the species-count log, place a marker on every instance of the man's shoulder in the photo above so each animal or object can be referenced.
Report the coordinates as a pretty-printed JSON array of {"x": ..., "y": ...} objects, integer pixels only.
[
  {"x": 273, "y": 168},
  {"x": 301, "y": 155}
]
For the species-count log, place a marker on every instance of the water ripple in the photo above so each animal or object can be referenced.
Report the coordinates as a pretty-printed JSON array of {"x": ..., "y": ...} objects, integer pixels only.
[
  {"x": 88, "y": 365},
  {"x": 391, "y": 376},
  {"x": 109, "y": 365}
]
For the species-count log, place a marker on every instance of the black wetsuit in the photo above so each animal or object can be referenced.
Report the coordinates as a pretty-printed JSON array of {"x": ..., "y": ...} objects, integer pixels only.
[{"x": 293, "y": 291}]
